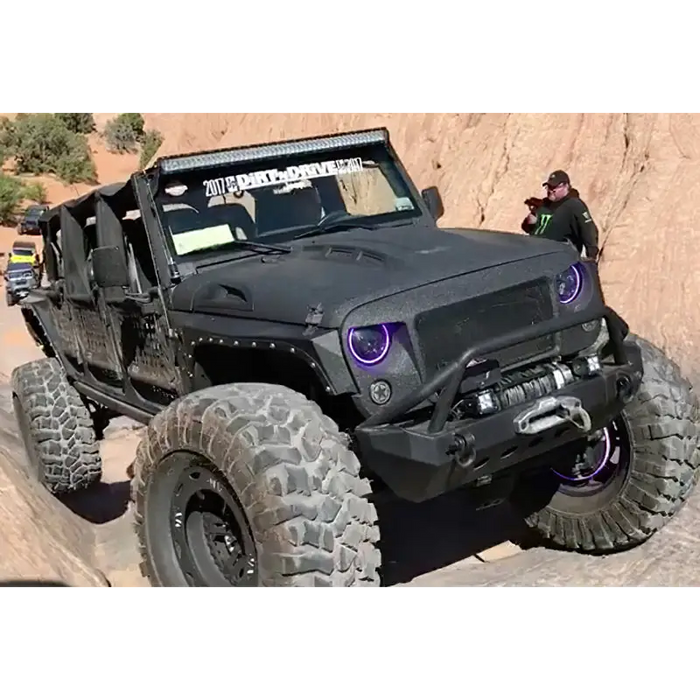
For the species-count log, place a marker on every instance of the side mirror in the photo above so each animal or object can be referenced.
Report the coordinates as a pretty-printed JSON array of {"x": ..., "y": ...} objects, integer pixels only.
[
  {"x": 431, "y": 196},
  {"x": 109, "y": 268}
]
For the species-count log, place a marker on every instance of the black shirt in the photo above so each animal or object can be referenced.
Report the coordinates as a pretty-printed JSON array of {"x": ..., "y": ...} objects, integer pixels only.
[{"x": 567, "y": 219}]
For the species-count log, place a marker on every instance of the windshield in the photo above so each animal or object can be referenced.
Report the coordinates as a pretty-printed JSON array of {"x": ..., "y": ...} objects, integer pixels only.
[{"x": 272, "y": 201}]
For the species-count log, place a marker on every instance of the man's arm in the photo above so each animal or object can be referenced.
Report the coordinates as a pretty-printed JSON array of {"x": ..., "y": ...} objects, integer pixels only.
[
  {"x": 586, "y": 228},
  {"x": 529, "y": 223}
]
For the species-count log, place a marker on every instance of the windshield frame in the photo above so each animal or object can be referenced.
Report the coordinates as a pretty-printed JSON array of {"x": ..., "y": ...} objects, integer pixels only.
[{"x": 383, "y": 156}]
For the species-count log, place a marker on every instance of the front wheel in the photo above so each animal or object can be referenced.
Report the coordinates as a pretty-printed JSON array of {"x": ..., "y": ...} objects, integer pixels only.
[
  {"x": 251, "y": 485},
  {"x": 633, "y": 479}
]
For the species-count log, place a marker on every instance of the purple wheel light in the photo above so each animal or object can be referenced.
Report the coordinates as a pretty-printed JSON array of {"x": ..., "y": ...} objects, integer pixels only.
[
  {"x": 569, "y": 284},
  {"x": 602, "y": 462},
  {"x": 369, "y": 345}
]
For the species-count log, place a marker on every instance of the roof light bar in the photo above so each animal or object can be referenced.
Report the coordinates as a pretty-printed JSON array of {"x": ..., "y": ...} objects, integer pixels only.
[{"x": 277, "y": 150}]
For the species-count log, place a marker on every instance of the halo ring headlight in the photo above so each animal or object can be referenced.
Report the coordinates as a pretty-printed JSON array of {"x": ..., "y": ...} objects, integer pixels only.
[
  {"x": 369, "y": 345},
  {"x": 569, "y": 284}
]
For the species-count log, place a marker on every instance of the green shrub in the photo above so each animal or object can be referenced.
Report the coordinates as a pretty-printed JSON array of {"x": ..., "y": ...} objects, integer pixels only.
[
  {"x": 135, "y": 121},
  {"x": 124, "y": 132},
  {"x": 35, "y": 192},
  {"x": 152, "y": 141},
  {"x": 120, "y": 137},
  {"x": 13, "y": 193},
  {"x": 78, "y": 122},
  {"x": 43, "y": 144},
  {"x": 6, "y": 138}
]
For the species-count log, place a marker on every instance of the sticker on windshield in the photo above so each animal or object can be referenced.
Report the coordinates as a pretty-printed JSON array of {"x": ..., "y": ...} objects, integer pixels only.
[
  {"x": 294, "y": 173},
  {"x": 200, "y": 238}
]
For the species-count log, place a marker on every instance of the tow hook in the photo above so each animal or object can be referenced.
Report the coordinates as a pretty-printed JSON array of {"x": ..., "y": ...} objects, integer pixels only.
[{"x": 462, "y": 450}]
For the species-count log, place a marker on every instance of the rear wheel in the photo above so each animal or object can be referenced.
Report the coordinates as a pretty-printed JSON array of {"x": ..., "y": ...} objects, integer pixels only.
[
  {"x": 56, "y": 427},
  {"x": 251, "y": 485},
  {"x": 632, "y": 479}
]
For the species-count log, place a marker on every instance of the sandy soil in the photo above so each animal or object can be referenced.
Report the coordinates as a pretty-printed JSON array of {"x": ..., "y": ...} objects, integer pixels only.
[{"x": 639, "y": 176}]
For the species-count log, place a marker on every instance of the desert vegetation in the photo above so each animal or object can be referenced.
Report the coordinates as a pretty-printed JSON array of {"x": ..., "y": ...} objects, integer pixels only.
[
  {"x": 60, "y": 145},
  {"x": 126, "y": 133}
]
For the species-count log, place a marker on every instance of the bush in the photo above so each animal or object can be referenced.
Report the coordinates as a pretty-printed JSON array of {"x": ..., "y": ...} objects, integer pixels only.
[
  {"x": 135, "y": 121},
  {"x": 35, "y": 192},
  {"x": 78, "y": 122},
  {"x": 13, "y": 193},
  {"x": 43, "y": 144},
  {"x": 150, "y": 144},
  {"x": 120, "y": 137},
  {"x": 124, "y": 132},
  {"x": 6, "y": 138}
]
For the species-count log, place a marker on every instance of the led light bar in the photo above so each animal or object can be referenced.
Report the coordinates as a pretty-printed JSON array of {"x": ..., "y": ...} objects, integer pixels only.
[{"x": 244, "y": 154}]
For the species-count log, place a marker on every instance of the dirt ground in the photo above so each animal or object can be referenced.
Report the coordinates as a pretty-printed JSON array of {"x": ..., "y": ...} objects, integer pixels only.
[{"x": 637, "y": 172}]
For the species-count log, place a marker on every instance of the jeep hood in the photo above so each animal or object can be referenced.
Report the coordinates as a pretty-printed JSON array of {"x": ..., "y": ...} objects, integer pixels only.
[{"x": 344, "y": 270}]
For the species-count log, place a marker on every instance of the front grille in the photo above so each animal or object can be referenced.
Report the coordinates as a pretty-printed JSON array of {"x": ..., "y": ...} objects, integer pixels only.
[{"x": 445, "y": 333}]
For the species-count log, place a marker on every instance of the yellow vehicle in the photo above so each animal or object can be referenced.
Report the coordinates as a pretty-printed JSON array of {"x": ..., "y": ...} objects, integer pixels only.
[{"x": 24, "y": 251}]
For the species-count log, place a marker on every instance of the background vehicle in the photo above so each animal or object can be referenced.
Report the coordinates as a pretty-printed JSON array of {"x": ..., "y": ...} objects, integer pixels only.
[
  {"x": 299, "y": 335},
  {"x": 29, "y": 224},
  {"x": 20, "y": 279},
  {"x": 24, "y": 251}
]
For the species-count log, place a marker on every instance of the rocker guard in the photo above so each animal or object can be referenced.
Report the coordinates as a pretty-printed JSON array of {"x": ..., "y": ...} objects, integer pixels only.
[{"x": 424, "y": 460}]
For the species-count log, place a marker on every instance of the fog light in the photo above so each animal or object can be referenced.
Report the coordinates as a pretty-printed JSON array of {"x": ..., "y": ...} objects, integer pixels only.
[
  {"x": 587, "y": 366},
  {"x": 486, "y": 402},
  {"x": 380, "y": 392},
  {"x": 593, "y": 364}
]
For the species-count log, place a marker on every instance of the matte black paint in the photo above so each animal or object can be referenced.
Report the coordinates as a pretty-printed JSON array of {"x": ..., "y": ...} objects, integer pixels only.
[{"x": 303, "y": 304}]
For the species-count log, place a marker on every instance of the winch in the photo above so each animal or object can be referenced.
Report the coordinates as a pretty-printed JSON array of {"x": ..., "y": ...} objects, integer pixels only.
[{"x": 528, "y": 384}]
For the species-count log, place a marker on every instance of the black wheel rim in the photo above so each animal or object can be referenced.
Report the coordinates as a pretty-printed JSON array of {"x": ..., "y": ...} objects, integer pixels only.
[
  {"x": 603, "y": 461},
  {"x": 209, "y": 530}
]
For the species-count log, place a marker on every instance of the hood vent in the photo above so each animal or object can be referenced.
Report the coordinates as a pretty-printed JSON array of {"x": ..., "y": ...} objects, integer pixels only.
[{"x": 345, "y": 254}]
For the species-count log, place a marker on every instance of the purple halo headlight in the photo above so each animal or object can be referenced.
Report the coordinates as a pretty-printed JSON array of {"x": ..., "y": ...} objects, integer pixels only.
[
  {"x": 369, "y": 345},
  {"x": 569, "y": 284}
]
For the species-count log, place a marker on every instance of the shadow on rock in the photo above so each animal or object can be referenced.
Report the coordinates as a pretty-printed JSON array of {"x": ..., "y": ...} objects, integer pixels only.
[
  {"x": 417, "y": 539},
  {"x": 101, "y": 503},
  {"x": 32, "y": 583}
]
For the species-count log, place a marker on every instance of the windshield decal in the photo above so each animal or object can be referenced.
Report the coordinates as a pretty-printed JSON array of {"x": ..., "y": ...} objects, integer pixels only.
[
  {"x": 200, "y": 238},
  {"x": 294, "y": 173}
]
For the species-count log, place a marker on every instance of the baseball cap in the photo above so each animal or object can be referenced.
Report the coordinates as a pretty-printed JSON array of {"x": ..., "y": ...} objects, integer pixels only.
[{"x": 558, "y": 177}]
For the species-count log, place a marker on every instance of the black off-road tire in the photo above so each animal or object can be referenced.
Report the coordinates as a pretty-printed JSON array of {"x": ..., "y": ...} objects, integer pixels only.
[
  {"x": 662, "y": 422},
  {"x": 56, "y": 428},
  {"x": 290, "y": 470}
]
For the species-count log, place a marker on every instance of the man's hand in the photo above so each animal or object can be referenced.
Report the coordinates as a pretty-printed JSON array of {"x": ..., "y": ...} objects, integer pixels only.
[{"x": 531, "y": 218}]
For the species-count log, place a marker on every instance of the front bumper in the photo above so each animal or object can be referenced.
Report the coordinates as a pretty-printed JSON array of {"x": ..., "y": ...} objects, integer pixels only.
[{"x": 424, "y": 460}]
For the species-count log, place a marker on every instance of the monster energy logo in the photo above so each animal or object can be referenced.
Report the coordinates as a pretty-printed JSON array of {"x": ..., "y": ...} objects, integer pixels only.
[{"x": 544, "y": 222}]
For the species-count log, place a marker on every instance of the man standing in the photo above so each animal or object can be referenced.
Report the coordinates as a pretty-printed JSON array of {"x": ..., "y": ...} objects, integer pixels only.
[{"x": 563, "y": 216}]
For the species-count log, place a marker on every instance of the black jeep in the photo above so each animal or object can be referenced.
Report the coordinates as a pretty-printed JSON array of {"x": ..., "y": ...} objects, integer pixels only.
[
  {"x": 298, "y": 333},
  {"x": 29, "y": 224}
]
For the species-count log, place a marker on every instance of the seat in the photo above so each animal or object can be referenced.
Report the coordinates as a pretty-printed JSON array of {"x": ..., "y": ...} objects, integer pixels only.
[
  {"x": 237, "y": 218},
  {"x": 279, "y": 211}
]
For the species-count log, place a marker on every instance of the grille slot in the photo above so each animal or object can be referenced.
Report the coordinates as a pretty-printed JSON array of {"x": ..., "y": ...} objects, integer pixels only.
[{"x": 442, "y": 340}]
